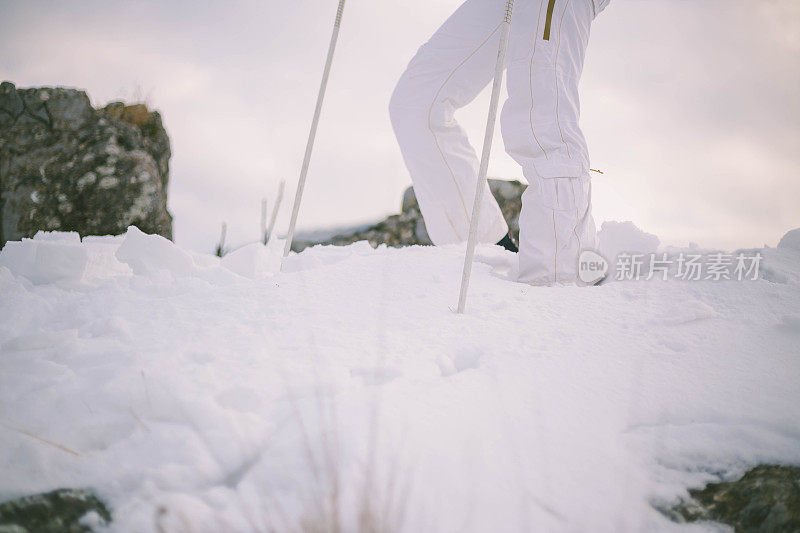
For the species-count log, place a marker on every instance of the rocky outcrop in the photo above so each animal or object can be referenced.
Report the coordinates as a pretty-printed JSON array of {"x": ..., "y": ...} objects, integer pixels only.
[
  {"x": 64, "y": 510},
  {"x": 69, "y": 167},
  {"x": 408, "y": 228},
  {"x": 765, "y": 499}
]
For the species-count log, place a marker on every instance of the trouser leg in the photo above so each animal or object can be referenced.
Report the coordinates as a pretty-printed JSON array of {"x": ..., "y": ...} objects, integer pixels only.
[
  {"x": 447, "y": 73},
  {"x": 541, "y": 132}
]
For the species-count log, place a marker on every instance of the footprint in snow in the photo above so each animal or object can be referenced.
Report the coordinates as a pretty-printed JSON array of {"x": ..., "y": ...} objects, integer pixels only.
[
  {"x": 463, "y": 360},
  {"x": 673, "y": 345}
]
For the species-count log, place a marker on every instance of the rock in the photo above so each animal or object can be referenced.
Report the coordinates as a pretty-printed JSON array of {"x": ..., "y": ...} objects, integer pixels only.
[
  {"x": 408, "y": 228},
  {"x": 59, "y": 511},
  {"x": 790, "y": 241},
  {"x": 66, "y": 166},
  {"x": 409, "y": 201},
  {"x": 765, "y": 499}
]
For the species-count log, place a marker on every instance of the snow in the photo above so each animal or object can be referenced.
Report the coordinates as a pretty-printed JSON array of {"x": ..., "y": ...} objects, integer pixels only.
[
  {"x": 254, "y": 260},
  {"x": 153, "y": 254},
  {"x": 47, "y": 258},
  {"x": 617, "y": 237},
  {"x": 206, "y": 395}
]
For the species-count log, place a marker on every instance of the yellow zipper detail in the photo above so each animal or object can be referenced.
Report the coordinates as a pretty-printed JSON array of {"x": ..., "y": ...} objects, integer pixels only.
[{"x": 551, "y": 5}]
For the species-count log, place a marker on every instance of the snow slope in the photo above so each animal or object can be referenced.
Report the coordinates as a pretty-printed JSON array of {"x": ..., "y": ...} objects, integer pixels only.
[{"x": 202, "y": 395}]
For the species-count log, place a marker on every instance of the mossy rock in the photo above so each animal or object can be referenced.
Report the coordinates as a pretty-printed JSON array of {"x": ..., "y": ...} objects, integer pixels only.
[
  {"x": 408, "y": 228},
  {"x": 765, "y": 499},
  {"x": 59, "y": 511},
  {"x": 66, "y": 166}
]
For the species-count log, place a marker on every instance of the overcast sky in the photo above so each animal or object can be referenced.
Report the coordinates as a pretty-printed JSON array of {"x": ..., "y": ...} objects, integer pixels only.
[{"x": 690, "y": 107}]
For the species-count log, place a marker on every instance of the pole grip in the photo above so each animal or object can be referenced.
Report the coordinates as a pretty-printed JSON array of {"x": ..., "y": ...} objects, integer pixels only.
[
  {"x": 509, "y": 10},
  {"x": 339, "y": 12}
]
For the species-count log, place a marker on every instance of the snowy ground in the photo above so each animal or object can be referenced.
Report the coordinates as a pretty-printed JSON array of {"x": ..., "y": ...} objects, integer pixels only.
[{"x": 195, "y": 395}]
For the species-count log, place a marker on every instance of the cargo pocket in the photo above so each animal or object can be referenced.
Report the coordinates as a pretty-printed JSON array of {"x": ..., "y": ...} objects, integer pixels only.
[{"x": 561, "y": 194}]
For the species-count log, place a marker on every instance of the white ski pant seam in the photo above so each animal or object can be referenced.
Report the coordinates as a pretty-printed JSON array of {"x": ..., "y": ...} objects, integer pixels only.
[
  {"x": 435, "y": 138},
  {"x": 577, "y": 217},
  {"x": 555, "y": 75},
  {"x": 555, "y": 247},
  {"x": 530, "y": 78}
]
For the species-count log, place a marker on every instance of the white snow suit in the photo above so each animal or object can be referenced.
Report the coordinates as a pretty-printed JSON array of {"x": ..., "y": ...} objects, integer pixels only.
[{"x": 539, "y": 123}]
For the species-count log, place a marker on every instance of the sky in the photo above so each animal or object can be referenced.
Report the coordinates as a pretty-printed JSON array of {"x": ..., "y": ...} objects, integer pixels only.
[{"x": 690, "y": 107}]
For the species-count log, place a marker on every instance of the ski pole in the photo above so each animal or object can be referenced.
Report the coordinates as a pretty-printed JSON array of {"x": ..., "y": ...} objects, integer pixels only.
[
  {"x": 487, "y": 149},
  {"x": 312, "y": 135},
  {"x": 274, "y": 215}
]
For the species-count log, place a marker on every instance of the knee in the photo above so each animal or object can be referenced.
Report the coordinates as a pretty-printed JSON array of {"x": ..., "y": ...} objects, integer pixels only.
[
  {"x": 407, "y": 110},
  {"x": 404, "y": 100}
]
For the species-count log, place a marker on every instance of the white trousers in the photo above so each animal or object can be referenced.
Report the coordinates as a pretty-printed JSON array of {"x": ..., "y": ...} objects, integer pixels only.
[{"x": 539, "y": 123}]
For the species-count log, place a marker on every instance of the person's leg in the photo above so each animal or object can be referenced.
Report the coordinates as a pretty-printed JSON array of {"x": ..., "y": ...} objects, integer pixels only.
[
  {"x": 447, "y": 73},
  {"x": 541, "y": 132}
]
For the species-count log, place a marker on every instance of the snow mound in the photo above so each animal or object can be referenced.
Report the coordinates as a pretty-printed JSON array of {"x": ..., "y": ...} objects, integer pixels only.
[
  {"x": 50, "y": 257},
  {"x": 617, "y": 237},
  {"x": 149, "y": 255},
  {"x": 255, "y": 260},
  {"x": 154, "y": 256},
  {"x": 62, "y": 258},
  {"x": 65, "y": 237},
  {"x": 790, "y": 241},
  {"x": 324, "y": 255}
]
